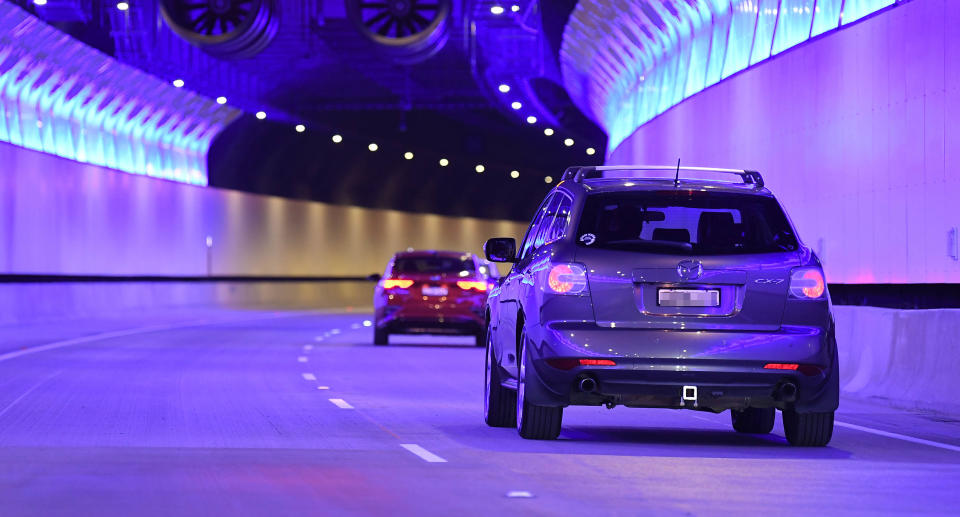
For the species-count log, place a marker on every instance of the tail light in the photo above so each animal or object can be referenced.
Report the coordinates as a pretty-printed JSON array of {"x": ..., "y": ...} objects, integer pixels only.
[
  {"x": 807, "y": 283},
  {"x": 393, "y": 283},
  {"x": 472, "y": 285},
  {"x": 566, "y": 279},
  {"x": 566, "y": 363}
]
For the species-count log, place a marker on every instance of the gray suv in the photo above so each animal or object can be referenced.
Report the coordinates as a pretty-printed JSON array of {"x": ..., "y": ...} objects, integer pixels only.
[{"x": 661, "y": 292}]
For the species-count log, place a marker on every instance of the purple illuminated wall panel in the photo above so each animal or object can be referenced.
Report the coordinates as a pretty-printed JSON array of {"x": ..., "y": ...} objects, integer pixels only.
[
  {"x": 61, "y": 97},
  {"x": 626, "y": 61},
  {"x": 58, "y": 216},
  {"x": 855, "y": 132}
]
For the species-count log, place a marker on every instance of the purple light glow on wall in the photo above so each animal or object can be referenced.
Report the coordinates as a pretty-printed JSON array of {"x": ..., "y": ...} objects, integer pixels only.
[
  {"x": 625, "y": 62},
  {"x": 61, "y": 97}
]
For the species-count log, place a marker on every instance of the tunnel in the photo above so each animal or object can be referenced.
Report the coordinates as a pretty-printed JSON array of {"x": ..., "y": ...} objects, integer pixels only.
[{"x": 479, "y": 257}]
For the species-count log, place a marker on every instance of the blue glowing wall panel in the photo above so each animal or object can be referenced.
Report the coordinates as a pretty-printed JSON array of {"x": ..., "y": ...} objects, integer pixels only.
[
  {"x": 626, "y": 61},
  {"x": 61, "y": 97}
]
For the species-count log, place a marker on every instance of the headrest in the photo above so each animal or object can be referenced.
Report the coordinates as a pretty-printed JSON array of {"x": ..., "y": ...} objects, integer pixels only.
[{"x": 717, "y": 230}]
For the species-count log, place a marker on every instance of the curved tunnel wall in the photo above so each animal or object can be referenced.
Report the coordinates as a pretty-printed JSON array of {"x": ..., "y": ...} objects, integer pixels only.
[
  {"x": 58, "y": 216},
  {"x": 855, "y": 132}
]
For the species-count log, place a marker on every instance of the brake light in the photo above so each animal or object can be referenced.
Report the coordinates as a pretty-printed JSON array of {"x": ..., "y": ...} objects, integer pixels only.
[
  {"x": 597, "y": 362},
  {"x": 567, "y": 363},
  {"x": 392, "y": 283},
  {"x": 476, "y": 285},
  {"x": 807, "y": 282},
  {"x": 781, "y": 366},
  {"x": 567, "y": 279}
]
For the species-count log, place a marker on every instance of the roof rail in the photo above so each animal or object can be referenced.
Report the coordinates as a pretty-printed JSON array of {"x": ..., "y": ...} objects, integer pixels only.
[{"x": 579, "y": 173}]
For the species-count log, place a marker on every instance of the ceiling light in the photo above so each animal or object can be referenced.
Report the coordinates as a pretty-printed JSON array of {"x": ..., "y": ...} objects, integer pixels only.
[
  {"x": 177, "y": 83},
  {"x": 40, "y": 2},
  {"x": 516, "y": 105},
  {"x": 480, "y": 168},
  {"x": 300, "y": 128},
  {"x": 123, "y": 6},
  {"x": 515, "y": 8},
  {"x": 568, "y": 142},
  {"x": 221, "y": 100},
  {"x": 531, "y": 120},
  {"x": 336, "y": 139},
  {"x": 408, "y": 155},
  {"x": 496, "y": 9},
  {"x": 591, "y": 150},
  {"x": 373, "y": 147},
  {"x": 444, "y": 162},
  {"x": 548, "y": 131},
  {"x": 261, "y": 115},
  {"x": 504, "y": 88},
  {"x": 548, "y": 179},
  {"x": 514, "y": 174}
]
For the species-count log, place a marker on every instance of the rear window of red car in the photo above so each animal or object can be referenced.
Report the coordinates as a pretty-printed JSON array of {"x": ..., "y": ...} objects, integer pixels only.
[{"x": 433, "y": 265}]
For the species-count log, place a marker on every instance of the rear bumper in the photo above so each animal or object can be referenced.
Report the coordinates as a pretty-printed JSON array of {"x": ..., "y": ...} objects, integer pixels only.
[
  {"x": 653, "y": 367},
  {"x": 409, "y": 315}
]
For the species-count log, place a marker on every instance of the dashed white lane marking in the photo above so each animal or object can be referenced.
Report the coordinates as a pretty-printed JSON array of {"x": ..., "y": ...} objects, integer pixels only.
[
  {"x": 318, "y": 338},
  {"x": 367, "y": 323},
  {"x": 309, "y": 376},
  {"x": 342, "y": 404},
  {"x": 302, "y": 359},
  {"x": 424, "y": 454},
  {"x": 307, "y": 348},
  {"x": 519, "y": 493},
  {"x": 323, "y": 387},
  {"x": 897, "y": 436}
]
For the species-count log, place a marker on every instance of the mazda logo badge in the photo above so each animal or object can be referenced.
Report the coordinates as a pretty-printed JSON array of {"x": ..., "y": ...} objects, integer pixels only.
[{"x": 690, "y": 269}]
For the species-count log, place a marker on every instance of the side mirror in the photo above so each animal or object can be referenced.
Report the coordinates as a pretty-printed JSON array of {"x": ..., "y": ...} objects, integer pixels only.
[
  {"x": 375, "y": 277},
  {"x": 501, "y": 249}
]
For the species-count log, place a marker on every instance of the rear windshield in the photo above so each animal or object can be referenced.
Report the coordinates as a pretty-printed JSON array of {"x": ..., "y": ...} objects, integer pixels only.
[
  {"x": 683, "y": 221},
  {"x": 433, "y": 265}
]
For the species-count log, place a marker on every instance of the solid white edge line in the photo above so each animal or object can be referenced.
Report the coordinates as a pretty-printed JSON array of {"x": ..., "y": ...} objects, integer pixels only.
[
  {"x": 309, "y": 376},
  {"x": 340, "y": 403},
  {"x": 897, "y": 436},
  {"x": 424, "y": 454}
]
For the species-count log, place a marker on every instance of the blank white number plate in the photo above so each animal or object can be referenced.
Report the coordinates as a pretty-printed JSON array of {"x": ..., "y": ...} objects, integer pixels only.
[
  {"x": 688, "y": 297},
  {"x": 430, "y": 290}
]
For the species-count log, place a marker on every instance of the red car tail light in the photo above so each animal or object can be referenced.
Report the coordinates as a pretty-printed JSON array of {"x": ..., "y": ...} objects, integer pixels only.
[
  {"x": 807, "y": 283},
  {"x": 392, "y": 283},
  {"x": 781, "y": 366},
  {"x": 567, "y": 279},
  {"x": 476, "y": 285}
]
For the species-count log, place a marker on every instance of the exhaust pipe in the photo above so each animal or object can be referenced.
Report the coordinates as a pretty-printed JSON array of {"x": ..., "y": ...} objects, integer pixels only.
[
  {"x": 588, "y": 385},
  {"x": 786, "y": 392}
]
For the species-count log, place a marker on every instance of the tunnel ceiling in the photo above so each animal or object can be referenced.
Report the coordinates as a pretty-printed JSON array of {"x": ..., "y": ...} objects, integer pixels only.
[
  {"x": 421, "y": 76},
  {"x": 626, "y": 61}
]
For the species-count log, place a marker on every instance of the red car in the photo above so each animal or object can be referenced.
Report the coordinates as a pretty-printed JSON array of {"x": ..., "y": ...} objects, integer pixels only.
[{"x": 433, "y": 292}]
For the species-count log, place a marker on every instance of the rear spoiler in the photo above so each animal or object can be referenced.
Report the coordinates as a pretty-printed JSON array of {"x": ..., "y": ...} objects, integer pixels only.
[{"x": 579, "y": 173}]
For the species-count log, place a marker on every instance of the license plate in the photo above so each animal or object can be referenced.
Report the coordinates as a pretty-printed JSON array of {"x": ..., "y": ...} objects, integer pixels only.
[
  {"x": 430, "y": 290},
  {"x": 688, "y": 297}
]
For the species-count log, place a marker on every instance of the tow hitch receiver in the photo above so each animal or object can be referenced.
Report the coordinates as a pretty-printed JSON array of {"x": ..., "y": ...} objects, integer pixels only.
[{"x": 688, "y": 393}]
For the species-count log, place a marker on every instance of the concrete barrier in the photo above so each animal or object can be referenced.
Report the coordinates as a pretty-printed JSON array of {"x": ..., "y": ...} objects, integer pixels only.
[
  {"x": 24, "y": 303},
  {"x": 906, "y": 358}
]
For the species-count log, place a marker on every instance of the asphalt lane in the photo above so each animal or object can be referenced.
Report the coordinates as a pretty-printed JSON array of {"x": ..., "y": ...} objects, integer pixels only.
[{"x": 265, "y": 413}]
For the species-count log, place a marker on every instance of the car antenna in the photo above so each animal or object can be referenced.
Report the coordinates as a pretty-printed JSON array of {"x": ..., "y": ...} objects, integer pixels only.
[{"x": 676, "y": 179}]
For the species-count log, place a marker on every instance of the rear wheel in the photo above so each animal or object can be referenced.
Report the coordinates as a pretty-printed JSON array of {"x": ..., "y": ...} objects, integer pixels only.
[
  {"x": 808, "y": 429},
  {"x": 534, "y": 422},
  {"x": 380, "y": 336},
  {"x": 480, "y": 338},
  {"x": 499, "y": 403},
  {"x": 753, "y": 420}
]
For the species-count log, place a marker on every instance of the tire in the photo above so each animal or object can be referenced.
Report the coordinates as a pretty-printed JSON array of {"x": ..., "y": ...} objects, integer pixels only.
[
  {"x": 808, "y": 429},
  {"x": 380, "y": 336},
  {"x": 753, "y": 420},
  {"x": 499, "y": 403},
  {"x": 481, "y": 338},
  {"x": 534, "y": 422}
]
